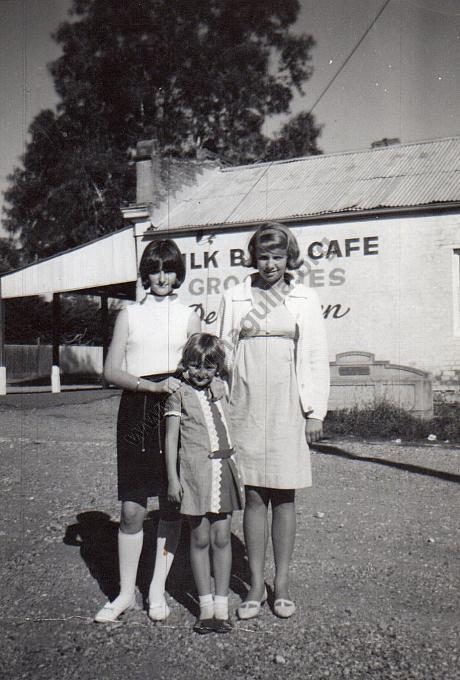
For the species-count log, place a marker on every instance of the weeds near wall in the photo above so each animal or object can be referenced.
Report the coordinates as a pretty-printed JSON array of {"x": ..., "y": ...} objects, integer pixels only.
[
  {"x": 384, "y": 420},
  {"x": 447, "y": 420}
]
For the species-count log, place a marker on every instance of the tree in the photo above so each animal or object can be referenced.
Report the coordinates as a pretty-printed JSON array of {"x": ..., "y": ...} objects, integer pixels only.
[
  {"x": 69, "y": 190},
  {"x": 10, "y": 256},
  {"x": 298, "y": 137},
  {"x": 188, "y": 73}
]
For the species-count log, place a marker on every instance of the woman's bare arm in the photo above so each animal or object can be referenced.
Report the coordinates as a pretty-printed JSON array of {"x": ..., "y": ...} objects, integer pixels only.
[{"x": 171, "y": 449}]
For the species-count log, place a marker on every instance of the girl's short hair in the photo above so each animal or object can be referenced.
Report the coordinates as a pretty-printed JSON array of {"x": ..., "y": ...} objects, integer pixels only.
[
  {"x": 203, "y": 348},
  {"x": 273, "y": 235},
  {"x": 162, "y": 255}
]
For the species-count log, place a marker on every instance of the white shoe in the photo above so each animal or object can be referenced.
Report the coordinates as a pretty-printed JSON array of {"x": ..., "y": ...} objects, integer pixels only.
[
  {"x": 250, "y": 609},
  {"x": 112, "y": 610},
  {"x": 159, "y": 611},
  {"x": 284, "y": 608}
]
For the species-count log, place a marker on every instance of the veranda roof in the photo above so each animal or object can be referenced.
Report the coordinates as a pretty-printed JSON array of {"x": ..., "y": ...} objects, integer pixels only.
[{"x": 109, "y": 261}]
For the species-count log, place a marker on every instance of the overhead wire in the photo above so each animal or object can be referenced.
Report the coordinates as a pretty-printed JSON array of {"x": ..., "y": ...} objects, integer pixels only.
[
  {"x": 360, "y": 41},
  {"x": 316, "y": 102}
]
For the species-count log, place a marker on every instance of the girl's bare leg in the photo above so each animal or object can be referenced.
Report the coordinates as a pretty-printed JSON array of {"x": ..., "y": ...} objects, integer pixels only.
[
  {"x": 255, "y": 526},
  {"x": 221, "y": 541},
  {"x": 222, "y": 553},
  {"x": 201, "y": 567},
  {"x": 283, "y": 537}
]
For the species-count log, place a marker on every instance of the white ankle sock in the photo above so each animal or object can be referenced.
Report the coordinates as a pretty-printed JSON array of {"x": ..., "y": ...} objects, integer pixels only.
[
  {"x": 221, "y": 607},
  {"x": 206, "y": 606},
  {"x": 167, "y": 542},
  {"x": 129, "y": 552}
]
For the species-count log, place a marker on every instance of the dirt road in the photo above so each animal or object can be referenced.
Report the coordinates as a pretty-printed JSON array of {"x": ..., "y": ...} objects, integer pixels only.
[{"x": 375, "y": 569}]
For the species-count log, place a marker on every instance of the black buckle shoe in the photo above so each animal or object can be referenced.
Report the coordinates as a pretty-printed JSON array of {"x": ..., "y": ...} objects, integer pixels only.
[
  {"x": 204, "y": 626},
  {"x": 222, "y": 626}
]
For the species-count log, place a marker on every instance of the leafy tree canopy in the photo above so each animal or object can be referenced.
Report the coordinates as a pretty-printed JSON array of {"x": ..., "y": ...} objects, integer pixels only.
[
  {"x": 298, "y": 137},
  {"x": 9, "y": 255},
  {"x": 190, "y": 74}
]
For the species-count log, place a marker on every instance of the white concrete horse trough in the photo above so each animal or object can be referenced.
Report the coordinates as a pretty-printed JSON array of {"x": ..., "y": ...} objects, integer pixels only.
[{"x": 357, "y": 378}]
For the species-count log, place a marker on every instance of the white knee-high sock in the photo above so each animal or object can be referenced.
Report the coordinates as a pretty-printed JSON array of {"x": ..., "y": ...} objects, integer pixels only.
[
  {"x": 129, "y": 552},
  {"x": 167, "y": 541}
]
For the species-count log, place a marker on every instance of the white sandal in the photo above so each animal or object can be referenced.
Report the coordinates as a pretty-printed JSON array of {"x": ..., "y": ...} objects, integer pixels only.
[
  {"x": 250, "y": 609},
  {"x": 159, "y": 611},
  {"x": 111, "y": 611},
  {"x": 284, "y": 608}
]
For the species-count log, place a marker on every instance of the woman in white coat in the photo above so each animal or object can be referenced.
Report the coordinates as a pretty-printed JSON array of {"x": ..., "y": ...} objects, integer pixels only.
[{"x": 276, "y": 348}]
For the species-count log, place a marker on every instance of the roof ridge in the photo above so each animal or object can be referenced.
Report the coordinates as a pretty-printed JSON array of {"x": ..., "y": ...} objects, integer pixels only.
[{"x": 251, "y": 166}]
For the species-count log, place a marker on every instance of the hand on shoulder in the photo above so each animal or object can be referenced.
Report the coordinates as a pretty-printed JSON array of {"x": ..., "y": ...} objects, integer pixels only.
[
  {"x": 218, "y": 389},
  {"x": 167, "y": 386}
]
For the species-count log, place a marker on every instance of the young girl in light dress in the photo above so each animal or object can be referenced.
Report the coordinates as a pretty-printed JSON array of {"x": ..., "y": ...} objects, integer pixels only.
[{"x": 202, "y": 475}]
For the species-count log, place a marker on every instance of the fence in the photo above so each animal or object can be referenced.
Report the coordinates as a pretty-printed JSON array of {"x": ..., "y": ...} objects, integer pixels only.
[{"x": 24, "y": 362}]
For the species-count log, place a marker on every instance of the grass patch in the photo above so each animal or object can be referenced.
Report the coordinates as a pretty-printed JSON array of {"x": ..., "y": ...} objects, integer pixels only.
[{"x": 385, "y": 420}]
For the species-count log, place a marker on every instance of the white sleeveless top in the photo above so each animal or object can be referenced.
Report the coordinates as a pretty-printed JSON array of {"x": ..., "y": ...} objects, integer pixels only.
[{"x": 157, "y": 332}]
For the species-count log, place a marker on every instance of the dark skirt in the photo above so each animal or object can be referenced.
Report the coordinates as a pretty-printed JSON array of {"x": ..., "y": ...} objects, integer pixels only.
[{"x": 140, "y": 445}]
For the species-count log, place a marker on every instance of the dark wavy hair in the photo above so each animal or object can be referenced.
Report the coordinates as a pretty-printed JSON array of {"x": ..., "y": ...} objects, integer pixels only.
[
  {"x": 203, "y": 348},
  {"x": 162, "y": 255},
  {"x": 273, "y": 235}
]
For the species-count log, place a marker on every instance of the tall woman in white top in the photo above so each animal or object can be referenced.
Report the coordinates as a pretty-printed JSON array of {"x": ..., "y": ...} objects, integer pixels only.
[
  {"x": 146, "y": 348},
  {"x": 274, "y": 334}
]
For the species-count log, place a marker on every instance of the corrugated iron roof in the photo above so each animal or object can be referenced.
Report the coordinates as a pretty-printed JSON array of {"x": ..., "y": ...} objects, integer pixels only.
[{"x": 397, "y": 176}]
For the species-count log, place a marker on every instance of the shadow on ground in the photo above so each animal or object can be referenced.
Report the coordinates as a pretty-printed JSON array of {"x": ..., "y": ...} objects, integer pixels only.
[
  {"x": 407, "y": 467},
  {"x": 95, "y": 533}
]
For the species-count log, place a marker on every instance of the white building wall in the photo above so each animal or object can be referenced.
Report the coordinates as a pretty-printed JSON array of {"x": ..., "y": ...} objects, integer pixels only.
[{"x": 388, "y": 286}]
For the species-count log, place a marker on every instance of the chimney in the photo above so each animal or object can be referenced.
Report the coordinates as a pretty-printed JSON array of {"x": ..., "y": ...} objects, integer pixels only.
[
  {"x": 148, "y": 171},
  {"x": 386, "y": 141}
]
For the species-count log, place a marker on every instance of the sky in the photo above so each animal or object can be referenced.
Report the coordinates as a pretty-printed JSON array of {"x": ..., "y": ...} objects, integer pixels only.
[{"x": 402, "y": 81}]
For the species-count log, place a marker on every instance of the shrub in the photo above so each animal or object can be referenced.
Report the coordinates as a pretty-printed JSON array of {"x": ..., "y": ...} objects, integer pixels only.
[
  {"x": 446, "y": 420},
  {"x": 384, "y": 419}
]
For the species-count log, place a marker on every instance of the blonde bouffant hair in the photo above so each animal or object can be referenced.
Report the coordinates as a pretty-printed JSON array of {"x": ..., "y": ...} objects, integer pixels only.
[{"x": 273, "y": 235}]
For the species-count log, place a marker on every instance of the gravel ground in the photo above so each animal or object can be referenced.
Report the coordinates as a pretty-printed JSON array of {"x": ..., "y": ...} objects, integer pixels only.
[{"x": 374, "y": 574}]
